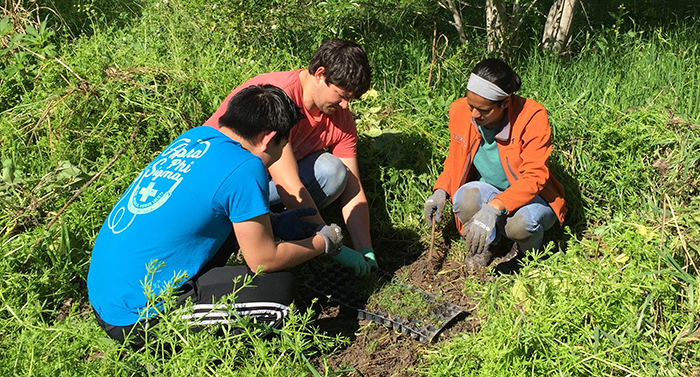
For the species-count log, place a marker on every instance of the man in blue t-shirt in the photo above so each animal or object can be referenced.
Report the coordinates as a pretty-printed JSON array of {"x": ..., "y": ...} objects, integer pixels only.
[{"x": 203, "y": 197}]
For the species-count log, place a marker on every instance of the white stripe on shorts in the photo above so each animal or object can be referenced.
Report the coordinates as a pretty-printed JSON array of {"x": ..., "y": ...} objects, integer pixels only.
[{"x": 207, "y": 314}]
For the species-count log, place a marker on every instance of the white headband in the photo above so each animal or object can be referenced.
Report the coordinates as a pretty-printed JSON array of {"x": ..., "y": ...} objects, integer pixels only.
[{"x": 487, "y": 89}]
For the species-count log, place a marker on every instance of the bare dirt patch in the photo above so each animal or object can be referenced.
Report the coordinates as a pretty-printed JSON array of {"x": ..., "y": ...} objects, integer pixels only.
[{"x": 377, "y": 350}]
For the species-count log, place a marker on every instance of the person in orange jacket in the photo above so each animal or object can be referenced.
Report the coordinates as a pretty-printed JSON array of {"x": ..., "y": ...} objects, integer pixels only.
[{"x": 496, "y": 171}]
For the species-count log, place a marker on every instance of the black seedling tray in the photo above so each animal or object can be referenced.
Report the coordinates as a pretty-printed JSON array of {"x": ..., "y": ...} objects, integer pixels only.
[{"x": 333, "y": 284}]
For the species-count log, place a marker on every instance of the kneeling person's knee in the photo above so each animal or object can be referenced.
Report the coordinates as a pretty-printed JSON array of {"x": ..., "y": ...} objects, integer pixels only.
[
  {"x": 518, "y": 228},
  {"x": 332, "y": 176},
  {"x": 465, "y": 203},
  {"x": 331, "y": 169}
]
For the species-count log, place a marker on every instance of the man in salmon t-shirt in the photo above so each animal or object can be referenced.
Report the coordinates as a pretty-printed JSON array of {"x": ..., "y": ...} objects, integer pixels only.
[{"x": 319, "y": 165}]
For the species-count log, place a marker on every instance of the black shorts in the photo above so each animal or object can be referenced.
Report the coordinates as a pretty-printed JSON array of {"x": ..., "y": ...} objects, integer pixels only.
[{"x": 266, "y": 299}]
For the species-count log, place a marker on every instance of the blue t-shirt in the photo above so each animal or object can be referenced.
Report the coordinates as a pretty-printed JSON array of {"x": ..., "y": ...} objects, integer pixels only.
[{"x": 178, "y": 211}]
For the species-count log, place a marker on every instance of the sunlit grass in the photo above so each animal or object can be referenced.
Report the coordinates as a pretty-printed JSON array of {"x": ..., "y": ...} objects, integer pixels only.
[{"x": 624, "y": 115}]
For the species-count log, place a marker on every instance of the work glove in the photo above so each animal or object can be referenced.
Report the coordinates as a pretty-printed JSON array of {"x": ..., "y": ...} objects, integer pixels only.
[
  {"x": 435, "y": 205},
  {"x": 289, "y": 226},
  {"x": 353, "y": 259},
  {"x": 481, "y": 231},
  {"x": 333, "y": 236},
  {"x": 368, "y": 253}
]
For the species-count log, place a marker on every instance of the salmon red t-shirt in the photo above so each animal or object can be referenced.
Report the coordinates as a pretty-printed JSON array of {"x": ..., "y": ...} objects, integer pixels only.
[{"x": 336, "y": 132}]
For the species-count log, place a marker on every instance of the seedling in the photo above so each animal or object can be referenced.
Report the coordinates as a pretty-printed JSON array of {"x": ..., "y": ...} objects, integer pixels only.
[
  {"x": 401, "y": 300},
  {"x": 383, "y": 298}
]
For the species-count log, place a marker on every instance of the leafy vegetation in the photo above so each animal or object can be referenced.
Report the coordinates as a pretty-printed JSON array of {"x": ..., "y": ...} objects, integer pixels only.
[
  {"x": 90, "y": 92},
  {"x": 400, "y": 300}
]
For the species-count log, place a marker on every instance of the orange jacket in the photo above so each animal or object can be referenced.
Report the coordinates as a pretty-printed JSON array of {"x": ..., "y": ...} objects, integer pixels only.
[{"x": 524, "y": 146}]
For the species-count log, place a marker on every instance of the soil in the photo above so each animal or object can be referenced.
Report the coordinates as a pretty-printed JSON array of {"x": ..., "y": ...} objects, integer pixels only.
[{"x": 381, "y": 351}]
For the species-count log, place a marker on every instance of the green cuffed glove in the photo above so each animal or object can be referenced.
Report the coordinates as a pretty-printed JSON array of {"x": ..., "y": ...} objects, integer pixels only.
[
  {"x": 353, "y": 259},
  {"x": 368, "y": 253}
]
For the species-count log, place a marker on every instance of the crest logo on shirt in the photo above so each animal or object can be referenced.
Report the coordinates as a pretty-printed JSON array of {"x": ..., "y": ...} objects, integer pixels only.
[{"x": 152, "y": 188}]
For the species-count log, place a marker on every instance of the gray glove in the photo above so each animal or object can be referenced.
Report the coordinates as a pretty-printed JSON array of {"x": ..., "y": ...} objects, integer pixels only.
[
  {"x": 333, "y": 236},
  {"x": 435, "y": 205},
  {"x": 481, "y": 231}
]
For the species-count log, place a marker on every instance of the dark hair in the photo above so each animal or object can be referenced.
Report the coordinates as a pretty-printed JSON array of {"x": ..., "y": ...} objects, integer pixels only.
[
  {"x": 261, "y": 108},
  {"x": 499, "y": 73},
  {"x": 346, "y": 66}
]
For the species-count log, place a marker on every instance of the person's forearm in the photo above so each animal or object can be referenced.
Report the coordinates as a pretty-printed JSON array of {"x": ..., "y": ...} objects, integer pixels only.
[
  {"x": 288, "y": 254},
  {"x": 356, "y": 216},
  {"x": 497, "y": 204},
  {"x": 355, "y": 208}
]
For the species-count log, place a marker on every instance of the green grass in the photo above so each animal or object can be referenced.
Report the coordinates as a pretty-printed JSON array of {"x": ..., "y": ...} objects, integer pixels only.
[
  {"x": 594, "y": 310},
  {"x": 621, "y": 297}
]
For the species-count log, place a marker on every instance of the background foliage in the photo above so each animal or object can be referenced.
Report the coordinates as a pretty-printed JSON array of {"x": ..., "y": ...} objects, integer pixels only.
[{"x": 91, "y": 91}]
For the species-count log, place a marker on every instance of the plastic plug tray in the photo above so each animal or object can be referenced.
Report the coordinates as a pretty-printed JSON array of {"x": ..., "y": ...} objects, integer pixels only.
[{"x": 333, "y": 283}]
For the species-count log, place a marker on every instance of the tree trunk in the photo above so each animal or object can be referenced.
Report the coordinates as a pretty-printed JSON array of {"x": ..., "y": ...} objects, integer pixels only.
[
  {"x": 495, "y": 14},
  {"x": 456, "y": 16},
  {"x": 557, "y": 29}
]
